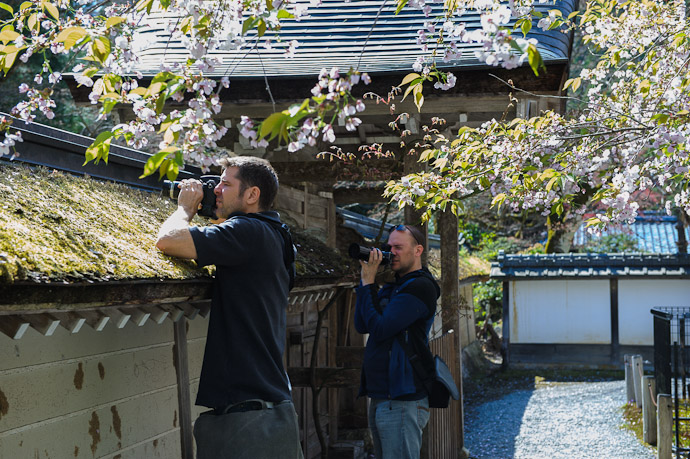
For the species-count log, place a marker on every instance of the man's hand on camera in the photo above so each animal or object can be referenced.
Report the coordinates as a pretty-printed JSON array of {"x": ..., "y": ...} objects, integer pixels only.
[
  {"x": 191, "y": 194},
  {"x": 369, "y": 268}
]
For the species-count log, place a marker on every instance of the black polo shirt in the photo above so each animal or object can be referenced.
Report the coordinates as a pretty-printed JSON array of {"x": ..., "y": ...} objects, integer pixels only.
[{"x": 246, "y": 333}]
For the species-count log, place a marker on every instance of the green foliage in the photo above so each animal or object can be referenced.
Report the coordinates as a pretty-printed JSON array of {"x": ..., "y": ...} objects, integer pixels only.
[
  {"x": 612, "y": 243},
  {"x": 472, "y": 234},
  {"x": 488, "y": 296},
  {"x": 489, "y": 246},
  {"x": 488, "y": 301}
]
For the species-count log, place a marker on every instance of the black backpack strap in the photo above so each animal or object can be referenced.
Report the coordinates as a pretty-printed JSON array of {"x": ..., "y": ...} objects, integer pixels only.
[{"x": 416, "y": 361}]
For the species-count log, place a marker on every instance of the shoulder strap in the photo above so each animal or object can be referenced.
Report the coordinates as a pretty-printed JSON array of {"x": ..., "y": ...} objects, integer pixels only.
[
  {"x": 289, "y": 249},
  {"x": 415, "y": 361},
  {"x": 408, "y": 282}
]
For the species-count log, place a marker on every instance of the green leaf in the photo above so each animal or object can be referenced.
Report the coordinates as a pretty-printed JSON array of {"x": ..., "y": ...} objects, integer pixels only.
[
  {"x": 526, "y": 27},
  {"x": 70, "y": 36},
  {"x": 100, "y": 148},
  {"x": 160, "y": 103},
  {"x": 113, "y": 21},
  {"x": 410, "y": 77},
  {"x": 52, "y": 10},
  {"x": 593, "y": 221},
  {"x": 644, "y": 86},
  {"x": 272, "y": 125},
  {"x": 498, "y": 199},
  {"x": 284, "y": 14},
  {"x": 248, "y": 24},
  {"x": 155, "y": 161},
  {"x": 551, "y": 183},
  {"x": 419, "y": 98},
  {"x": 32, "y": 23},
  {"x": 101, "y": 48},
  {"x": 8, "y": 35},
  {"x": 145, "y": 4},
  {"x": 401, "y": 5},
  {"x": 155, "y": 88},
  {"x": 261, "y": 28},
  {"x": 573, "y": 83},
  {"x": 662, "y": 118},
  {"x": 535, "y": 60},
  {"x": 173, "y": 171},
  {"x": 6, "y": 7},
  {"x": 162, "y": 76},
  {"x": 163, "y": 168}
]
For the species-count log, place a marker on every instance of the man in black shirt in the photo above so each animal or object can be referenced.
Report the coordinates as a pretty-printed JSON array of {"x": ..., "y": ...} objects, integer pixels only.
[{"x": 242, "y": 377}]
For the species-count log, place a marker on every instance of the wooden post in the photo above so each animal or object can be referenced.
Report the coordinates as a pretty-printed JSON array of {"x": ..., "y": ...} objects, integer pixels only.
[
  {"x": 637, "y": 378},
  {"x": 664, "y": 426},
  {"x": 629, "y": 383},
  {"x": 450, "y": 306},
  {"x": 648, "y": 410}
]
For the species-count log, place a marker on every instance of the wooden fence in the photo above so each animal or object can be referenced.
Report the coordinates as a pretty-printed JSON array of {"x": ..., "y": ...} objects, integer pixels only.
[{"x": 444, "y": 432}]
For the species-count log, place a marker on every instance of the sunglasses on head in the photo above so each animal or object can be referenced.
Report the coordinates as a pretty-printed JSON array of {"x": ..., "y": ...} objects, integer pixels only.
[{"x": 404, "y": 228}]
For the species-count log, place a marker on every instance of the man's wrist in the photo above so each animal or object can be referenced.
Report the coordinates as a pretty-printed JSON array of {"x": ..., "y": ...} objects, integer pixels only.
[{"x": 187, "y": 214}]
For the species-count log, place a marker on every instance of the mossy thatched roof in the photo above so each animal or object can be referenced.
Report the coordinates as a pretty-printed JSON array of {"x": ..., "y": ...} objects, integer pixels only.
[{"x": 58, "y": 227}]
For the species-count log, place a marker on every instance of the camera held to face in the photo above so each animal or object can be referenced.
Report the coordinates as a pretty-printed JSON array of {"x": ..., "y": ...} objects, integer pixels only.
[
  {"x": 208, "y": 202},
  {"x": 359, "y": 252}
]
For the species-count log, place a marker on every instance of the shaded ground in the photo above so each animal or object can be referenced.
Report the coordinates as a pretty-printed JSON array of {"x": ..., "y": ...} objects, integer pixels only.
[{"x": 549, "y": 414}]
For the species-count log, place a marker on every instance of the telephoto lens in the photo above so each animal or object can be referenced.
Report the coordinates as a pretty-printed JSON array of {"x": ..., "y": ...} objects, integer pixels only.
[{"x": 359, "y": 252}]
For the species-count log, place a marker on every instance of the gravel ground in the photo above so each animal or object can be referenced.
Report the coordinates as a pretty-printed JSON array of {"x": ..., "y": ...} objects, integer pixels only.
[{"x": 573, "y": 420}]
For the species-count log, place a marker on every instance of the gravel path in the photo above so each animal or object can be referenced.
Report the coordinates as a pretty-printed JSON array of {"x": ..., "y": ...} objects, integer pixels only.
[{"x": 563, "y": 420}]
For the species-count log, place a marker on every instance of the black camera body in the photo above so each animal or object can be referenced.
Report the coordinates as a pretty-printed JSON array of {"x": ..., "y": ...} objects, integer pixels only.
[
  {"x": 208, "y": 202},
  {"x": 359, "y": 252}
]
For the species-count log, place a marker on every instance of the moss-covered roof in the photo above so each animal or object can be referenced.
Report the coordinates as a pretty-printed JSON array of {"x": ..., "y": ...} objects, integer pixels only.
[
  {"x": 58, "y": 227},
  {"x": 468, "y": 266}
]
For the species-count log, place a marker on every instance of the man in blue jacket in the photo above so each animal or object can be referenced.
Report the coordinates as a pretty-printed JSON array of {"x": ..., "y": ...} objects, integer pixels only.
[{"x": 399, "y": 407}]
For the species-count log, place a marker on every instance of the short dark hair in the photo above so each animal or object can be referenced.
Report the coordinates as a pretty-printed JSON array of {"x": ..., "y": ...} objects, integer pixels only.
[{"x": 253, "y": 171}]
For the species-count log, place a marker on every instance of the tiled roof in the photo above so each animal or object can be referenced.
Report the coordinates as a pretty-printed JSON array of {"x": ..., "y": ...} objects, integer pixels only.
[
  {"x": 654, "y": 234},
  {"x": 588, "y": 265},
  {"x": 369, "y": 227},
  {"x": 334, "y": 34}
]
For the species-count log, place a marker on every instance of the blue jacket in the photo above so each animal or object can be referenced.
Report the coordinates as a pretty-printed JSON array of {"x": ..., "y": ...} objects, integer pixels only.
[{"x": 409, "y": 301}]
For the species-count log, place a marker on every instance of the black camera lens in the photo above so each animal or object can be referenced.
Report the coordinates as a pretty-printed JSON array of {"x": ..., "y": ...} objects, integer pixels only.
[
  {"x": 359, "y": 252},
  {"x": 171, "y": 189},
  {"x": 208, "y": 202}
]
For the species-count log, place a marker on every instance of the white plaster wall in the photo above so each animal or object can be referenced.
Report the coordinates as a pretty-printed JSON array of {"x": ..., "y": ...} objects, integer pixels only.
[
  {"x": 636, "y": 298},
  {"x": 560, "y": 311},
  {"x": 90, "y": 394}
]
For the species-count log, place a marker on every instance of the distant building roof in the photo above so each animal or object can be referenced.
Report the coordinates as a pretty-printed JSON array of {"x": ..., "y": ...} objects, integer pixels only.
[
  {"x": 369, "y": 227},
  {"x": 590, "y": 265},
  {"x": 654, "y": 232},
  {"x": 339, "y": 33}
]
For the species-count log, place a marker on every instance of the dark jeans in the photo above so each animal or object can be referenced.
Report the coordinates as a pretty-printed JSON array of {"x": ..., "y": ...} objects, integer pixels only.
[{"x": 269, "y": 433}]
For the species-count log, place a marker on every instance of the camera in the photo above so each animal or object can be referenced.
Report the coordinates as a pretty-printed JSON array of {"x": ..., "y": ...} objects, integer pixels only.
[
  {"x": 359, "y": 252},
  {"x": 208, "y": 202}
]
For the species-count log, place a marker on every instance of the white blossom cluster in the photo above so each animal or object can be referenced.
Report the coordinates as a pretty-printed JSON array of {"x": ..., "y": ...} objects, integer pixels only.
[
  {"x": 331, "y": 101},
  {"x": 632, "y": 140}
]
